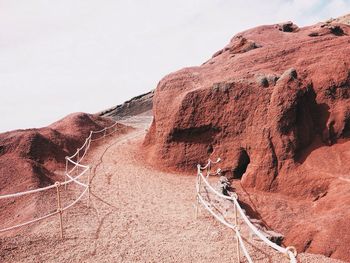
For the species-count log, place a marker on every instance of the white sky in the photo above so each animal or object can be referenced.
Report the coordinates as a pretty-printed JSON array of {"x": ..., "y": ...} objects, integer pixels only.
[{"x": 58, "y": 57}]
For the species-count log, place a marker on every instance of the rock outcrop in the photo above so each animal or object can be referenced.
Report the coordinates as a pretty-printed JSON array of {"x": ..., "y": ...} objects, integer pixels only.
[
  {"x": 343, "y": 19},
  {"x": 138, "y": 105},
  {"x": 271, "y": 100}
]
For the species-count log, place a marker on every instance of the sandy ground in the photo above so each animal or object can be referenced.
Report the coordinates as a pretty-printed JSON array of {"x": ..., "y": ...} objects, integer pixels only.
[{"x": 137, "y": 214}]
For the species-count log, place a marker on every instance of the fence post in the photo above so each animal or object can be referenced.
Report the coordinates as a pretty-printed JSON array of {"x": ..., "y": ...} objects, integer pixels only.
[
  {"x": 197, "y": 203},
  {"x": 198, "y": 190},
  {"x": 65, "y": 175},
  {"x": 237, "y": 240},
  {"x": 59, "y": 206},
  {"x": 88, "y": 143},
  {"x": 89, "y": 178},
  {"x": 209, "y": 168},
  {"x": 91, "y": 133},
  {"x": 78, "y": 151}
]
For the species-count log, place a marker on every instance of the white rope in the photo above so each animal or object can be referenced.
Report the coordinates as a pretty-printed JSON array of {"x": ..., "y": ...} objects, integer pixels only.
[
  {"x": 86, "y": 148},
  {"x": 224, "y": 222},
  {"x": 77, "y": 164},
  {"x": 75, "y": 167},
  {"x": 71, "y": 170},
  {"x": 204, "y": 167},
  {"x": 213, "y": 190},
  {"x": 103, "y": 130},
  {"x": 106, "y": 128},
  {"x": 97, "y": 139},
  {"x": 209, "y": 163},
  {"x": 76, "y": 181},
  {"x": 76, "y": 201},
  {"x": 220, "y": 219},
  {"x": 74, "y": 154},
  {"x": 111, "y": 133},
  {"x": 99, "y": 131},
  {"x": 114, "y": 124},
  {"x": 85, "y": 143},
  {"x": 44, "y": 217},
  {"x": 43, "y": 188},
  {"x": 241, "y": 243},
  {"x": 200, "y": 176},
  {"x": 27, "y": 192},
  {"x": 256, "y": 231},
  {"x": 218, "y": 171},
  {"x": 28, "y": 222},
  {"x": 77, "y": 177},
  {"x": 217, "y": 161}
]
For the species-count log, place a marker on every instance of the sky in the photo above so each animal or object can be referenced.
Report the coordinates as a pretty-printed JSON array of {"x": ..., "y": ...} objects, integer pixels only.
[{"x": 59, "y": 57}]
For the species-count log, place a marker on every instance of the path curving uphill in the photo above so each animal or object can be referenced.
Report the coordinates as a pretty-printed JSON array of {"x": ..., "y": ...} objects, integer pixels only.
[{"x": 137, "y": 214}]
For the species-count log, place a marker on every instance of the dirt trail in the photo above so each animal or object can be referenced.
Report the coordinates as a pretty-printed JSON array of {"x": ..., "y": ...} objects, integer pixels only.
[{"x": 137, "y": 214}]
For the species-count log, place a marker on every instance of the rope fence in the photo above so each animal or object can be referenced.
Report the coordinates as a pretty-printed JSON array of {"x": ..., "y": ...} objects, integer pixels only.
[
  {"x": 80, "y": 170},
  {"x": 290, "y": 251},
  {"x": 69, "y": 178}
]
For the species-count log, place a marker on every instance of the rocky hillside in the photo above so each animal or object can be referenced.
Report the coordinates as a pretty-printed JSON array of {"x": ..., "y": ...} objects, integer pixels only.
[
  {"x": 274, "y": 104},
  {"x": 141, "y": 104},
  {"x": 343, "y": 19},
  {"x": 28, "y": 159}
]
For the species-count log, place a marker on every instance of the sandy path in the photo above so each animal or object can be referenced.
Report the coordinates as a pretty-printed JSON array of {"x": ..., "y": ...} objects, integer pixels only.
[{"x": 137, "y": 214}]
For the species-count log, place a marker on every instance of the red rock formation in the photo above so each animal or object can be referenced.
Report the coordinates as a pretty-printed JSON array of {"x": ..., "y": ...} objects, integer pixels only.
[
  {"x": 266, "y": 103},
  {"x": 28, "y": 159}
]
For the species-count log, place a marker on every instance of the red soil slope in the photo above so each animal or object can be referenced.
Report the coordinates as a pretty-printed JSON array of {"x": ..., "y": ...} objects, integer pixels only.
[
  {"x": 274, "y": 105},
  {"x": 29, "y": 157}
]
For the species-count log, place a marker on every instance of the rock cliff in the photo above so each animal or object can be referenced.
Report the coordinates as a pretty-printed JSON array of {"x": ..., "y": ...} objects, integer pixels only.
[{"x": 274, "y": 104}]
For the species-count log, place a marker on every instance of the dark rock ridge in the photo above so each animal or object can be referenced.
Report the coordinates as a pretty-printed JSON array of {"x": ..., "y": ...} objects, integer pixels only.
[
  {"x": 269, "y": 102},
  {"x": 141, "y": 104},
  {"x": 343, "y": 19}
]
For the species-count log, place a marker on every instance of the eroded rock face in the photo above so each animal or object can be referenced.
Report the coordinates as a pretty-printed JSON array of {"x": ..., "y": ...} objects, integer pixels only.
[{"x": 262, "y": 104}]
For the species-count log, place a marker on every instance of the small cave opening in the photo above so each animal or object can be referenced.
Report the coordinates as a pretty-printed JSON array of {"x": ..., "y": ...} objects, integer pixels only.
[
  {"x": 242, "y": 164},
  {"x": 210, "y": 149}
]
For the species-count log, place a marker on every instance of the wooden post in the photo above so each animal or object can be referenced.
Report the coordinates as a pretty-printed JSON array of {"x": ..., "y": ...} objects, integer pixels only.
[
  {"x": 65, "y": 175},
  {"x": 198, "y": 192},
  {"x": 89, "y": 178},
  {"x": 208, "y": 168},
  {"x": 237, "y": 240},
  {"x": 197, "y": 201},
  {"x": 78, "y": 161},
  {"x": 59, "y": 207}
]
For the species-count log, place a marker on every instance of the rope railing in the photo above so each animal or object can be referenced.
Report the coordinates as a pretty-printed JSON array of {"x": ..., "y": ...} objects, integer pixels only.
[
  {"x": 290, "y": 252},
  {"x": 74, "y": 160}
]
